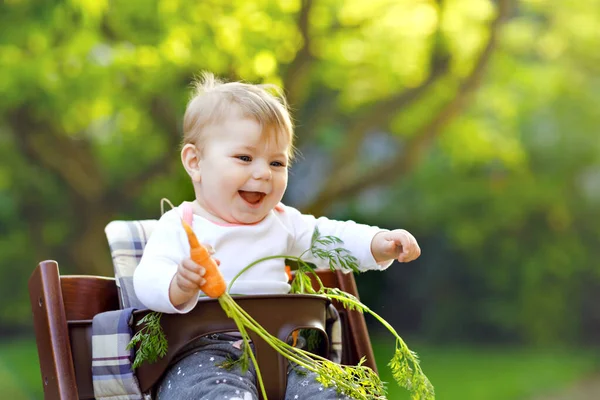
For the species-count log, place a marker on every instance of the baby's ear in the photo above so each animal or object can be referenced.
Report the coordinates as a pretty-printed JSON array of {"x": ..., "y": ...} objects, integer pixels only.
[
  {"x": 191, "y": 161},
  {"x": 196, "y": 177}
]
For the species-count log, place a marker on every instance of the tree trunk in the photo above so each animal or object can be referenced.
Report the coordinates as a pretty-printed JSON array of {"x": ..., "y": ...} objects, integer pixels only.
[{"x": 88, "y": 250}]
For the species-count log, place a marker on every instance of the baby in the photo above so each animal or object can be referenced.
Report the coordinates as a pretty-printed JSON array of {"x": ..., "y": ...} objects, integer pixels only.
[{"x": 237, "y": 148}]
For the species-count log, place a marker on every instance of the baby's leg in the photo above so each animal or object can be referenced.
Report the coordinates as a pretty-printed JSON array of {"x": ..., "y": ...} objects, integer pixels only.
[
  {"x": 302, "y": 385},
  {"x": 198, "y": 377}
]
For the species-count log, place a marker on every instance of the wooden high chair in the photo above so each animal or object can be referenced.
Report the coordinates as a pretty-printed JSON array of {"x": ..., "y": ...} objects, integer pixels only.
[{"x": 64, "y": 305}]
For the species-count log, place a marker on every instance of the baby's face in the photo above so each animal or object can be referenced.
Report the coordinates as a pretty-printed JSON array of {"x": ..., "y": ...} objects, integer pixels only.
[{"x": 242, "y": 176}]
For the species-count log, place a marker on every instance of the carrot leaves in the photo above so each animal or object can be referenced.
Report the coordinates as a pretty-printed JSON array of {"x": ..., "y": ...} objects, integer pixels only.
[
  {"x": 151, "y": 340},
  {"x": 326, "y": 248}
]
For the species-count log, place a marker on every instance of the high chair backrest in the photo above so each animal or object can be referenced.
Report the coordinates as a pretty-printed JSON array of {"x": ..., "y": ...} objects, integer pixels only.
[
  {"x": 127, "y": 240},
  {"x": 63, "y": 307}
]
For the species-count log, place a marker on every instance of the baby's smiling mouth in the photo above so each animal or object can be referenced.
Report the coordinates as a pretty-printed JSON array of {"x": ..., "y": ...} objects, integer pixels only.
[{"x": 252, "y": 197}]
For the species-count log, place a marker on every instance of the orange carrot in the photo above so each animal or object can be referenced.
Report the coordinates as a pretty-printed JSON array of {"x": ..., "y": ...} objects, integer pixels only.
[
  {"x": 295, "y": 337},
  {"x": 215, "y": 285}
]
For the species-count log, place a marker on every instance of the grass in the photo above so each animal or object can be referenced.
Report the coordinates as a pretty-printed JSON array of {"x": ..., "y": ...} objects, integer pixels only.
[
  {"x": 458, "y": 373},
  {"x": 492, "y": 373},
  {"x": 20, "y": 377}
]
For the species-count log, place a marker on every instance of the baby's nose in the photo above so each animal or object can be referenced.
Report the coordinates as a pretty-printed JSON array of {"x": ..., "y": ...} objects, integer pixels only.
[{"x": 262, "y": 171}]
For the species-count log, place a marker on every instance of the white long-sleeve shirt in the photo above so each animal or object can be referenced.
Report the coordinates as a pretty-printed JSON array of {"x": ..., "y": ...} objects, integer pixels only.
[{"x": 286, "y": 232}]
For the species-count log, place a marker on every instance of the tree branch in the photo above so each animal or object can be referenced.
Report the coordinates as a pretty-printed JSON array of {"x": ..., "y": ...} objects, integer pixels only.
[
  {"x": 422, "y": 139},
  {"x": 165, "y": 117},
  {"x": 324, "y": 100},
  {"x": 70, "y": 159},
  {"x": 297, "y": 70},
  {"x": 72, "y": 162},
  {"x": 316, "y": 112},
  {"x": 382, "y": 112}
]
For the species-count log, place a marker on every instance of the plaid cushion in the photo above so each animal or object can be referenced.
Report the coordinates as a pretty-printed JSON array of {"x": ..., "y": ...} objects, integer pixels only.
[
  {"x": 112, "y": 374},
  {"x": 127, "y": 240}
]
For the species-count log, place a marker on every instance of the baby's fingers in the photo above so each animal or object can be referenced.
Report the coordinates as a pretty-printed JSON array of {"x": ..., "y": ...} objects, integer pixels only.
[
  {"x": 211, "y": 251},
  {"x": 410, "y": 248},
  {"x": 189, "y": 282},
  {"x": 190, "y": 265},
  {"x": 186, "y": 285},
  {"x": 191, "y": 272},
  {"x": 209, "y": 248}
]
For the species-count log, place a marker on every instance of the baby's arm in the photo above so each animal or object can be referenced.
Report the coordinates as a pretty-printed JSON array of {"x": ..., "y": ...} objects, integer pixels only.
[
  {"x": 164, "y": 280},
  {"x": 374, "y": 248},
  {"x": 357, "y": 238}
]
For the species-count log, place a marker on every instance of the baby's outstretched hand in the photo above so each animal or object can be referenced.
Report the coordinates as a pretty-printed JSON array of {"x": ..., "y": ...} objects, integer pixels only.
[{"x": 397, "y": 244}]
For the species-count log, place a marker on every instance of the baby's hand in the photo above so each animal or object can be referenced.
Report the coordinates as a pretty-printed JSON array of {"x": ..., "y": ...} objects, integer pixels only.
[
  {"x": 187, "y": 280},
  {"x": 397, "y": 244},
  {"x": 189, "y": 276}
]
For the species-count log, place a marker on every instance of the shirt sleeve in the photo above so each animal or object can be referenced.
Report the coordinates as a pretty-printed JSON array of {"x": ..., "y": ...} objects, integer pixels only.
[
  {"x": 165, "y": 250},
  {"x": 356, "y": 238}
]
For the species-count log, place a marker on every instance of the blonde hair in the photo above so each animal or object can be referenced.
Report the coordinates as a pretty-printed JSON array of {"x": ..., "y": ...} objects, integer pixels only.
[{"x": 214, "y": 100}]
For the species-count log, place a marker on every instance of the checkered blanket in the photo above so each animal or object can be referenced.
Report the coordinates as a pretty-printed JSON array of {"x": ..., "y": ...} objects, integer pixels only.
[
  {"x": 112, "y": 372},
  {"x": 112, "y": 375},
  {"x": 111, "y": 331}
]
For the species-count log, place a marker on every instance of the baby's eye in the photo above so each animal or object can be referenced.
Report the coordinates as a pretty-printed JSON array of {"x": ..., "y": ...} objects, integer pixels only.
[
  {"x": 244, "y": 158},
  {"x": 277, "y": 164}
]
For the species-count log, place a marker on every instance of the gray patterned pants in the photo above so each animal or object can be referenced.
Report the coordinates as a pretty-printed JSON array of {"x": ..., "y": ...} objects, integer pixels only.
[{"x": 197, "y": 376}]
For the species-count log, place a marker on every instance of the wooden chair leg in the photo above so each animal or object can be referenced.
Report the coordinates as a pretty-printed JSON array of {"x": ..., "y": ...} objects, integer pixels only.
[{"x": 50, "y": 323}]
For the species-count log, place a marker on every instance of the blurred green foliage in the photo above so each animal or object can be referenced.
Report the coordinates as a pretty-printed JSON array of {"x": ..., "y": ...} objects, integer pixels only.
[
  {"x": 471, "y": 123},
  {"x": 499, "y": 373}
]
